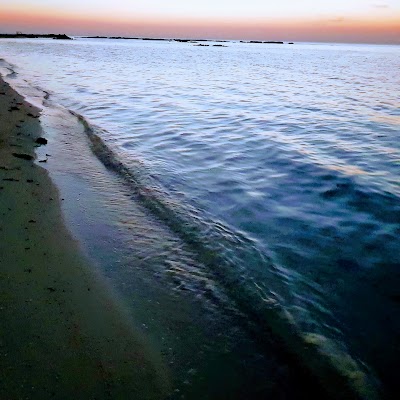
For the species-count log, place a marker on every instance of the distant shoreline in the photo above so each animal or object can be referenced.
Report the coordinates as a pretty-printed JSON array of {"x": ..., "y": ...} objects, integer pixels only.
[
  {"x": 65, "y": 37},
  {"x": 182, "y": 40},
  {"x": 62, "y": 36}
]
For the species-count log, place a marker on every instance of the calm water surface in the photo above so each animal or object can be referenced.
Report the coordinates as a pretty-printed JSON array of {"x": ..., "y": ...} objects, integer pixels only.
[{"x": 277, "y": 165}]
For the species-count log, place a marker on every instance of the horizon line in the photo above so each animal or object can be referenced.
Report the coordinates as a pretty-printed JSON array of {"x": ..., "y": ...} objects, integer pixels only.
[{"x": 188, "y": 38}]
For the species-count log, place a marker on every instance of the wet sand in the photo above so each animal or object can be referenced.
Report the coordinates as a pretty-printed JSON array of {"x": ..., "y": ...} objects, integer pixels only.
[{"x": 62, "y": 333}]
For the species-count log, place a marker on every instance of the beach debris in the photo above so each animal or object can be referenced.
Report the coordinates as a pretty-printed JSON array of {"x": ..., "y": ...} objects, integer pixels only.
[
  {"x": 23, "y": 156},
  {"x": 43, "y": 161},
  {"x": 29, "y": 180},
  {"x": 41, "y": 140},
  {"x": 51, "y": 289},
  {"x": 32, "y": 221},
  {"x": 9, "y": 169},
  {"x": 33, "y": 116},
  {"x": 11, "y": 179},
  {"x": 13, "y": 108}
]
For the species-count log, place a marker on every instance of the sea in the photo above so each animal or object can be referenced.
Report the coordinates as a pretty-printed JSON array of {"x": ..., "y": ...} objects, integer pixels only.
[{"x": 242, "y": 200}]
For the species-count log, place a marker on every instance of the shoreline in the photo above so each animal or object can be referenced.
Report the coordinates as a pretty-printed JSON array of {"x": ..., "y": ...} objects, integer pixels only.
[
  {"x": 62, "y": 333},
  {"x": 64, "y": 160}
]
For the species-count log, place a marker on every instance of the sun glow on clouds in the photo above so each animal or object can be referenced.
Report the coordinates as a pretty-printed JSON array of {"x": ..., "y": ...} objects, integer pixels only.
[
  {"x": 215, "y": 9},
  {"x": 344, "y": 20}
]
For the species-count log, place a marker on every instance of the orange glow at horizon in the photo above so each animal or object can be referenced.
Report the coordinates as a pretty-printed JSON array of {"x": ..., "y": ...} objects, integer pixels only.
[{"x": 362, "y": 30}]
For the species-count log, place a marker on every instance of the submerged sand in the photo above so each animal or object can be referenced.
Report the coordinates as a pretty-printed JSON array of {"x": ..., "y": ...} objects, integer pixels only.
[{"x": 62, "y": 334}]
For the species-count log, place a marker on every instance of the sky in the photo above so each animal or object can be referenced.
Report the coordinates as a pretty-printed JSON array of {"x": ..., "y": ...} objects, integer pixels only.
[{"x": 362, "y": 21}]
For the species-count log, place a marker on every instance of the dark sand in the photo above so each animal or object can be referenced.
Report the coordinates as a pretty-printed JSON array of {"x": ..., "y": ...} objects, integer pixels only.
[{"x": 62, "y": 335}]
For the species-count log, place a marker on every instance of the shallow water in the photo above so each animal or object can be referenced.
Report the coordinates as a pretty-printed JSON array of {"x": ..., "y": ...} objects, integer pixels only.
[{"x": 276, "y": 166}]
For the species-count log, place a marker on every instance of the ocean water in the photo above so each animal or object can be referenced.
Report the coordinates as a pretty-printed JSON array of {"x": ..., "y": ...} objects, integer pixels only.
[{"x": 276, "y": 167}]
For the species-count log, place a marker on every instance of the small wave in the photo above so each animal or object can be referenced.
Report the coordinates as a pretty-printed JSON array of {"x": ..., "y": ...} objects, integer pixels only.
[
  {"x": 8, "y": 69},
  {"x": 31, "y": 93},
  {"x": 236, "y": 262}
]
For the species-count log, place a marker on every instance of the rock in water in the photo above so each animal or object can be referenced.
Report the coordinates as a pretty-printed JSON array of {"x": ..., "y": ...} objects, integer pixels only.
[{"x": 41, "y": 140}]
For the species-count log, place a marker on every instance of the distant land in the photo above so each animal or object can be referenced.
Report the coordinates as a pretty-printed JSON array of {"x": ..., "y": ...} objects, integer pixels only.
[
  {"x": 171, "y": 40},
  {"x": 63, "y": 36},
  {"x": 180, "y": 40},
  {"x": 34, "y": 36}
]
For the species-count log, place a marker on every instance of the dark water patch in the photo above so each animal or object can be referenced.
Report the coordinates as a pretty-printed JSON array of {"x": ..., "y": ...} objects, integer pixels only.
[
  {"x": 349, "y": 265},
  {"x": 384, "y": 207},
  {"x": 395, "y": 298}
]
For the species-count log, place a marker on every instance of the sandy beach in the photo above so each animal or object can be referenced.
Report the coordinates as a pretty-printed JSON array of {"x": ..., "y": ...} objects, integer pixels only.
[{"x": 62, "y": 335}]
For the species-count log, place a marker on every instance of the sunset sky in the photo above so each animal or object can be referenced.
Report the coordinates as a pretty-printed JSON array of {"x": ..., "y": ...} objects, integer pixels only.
[{"x": 371, "y": 21}]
